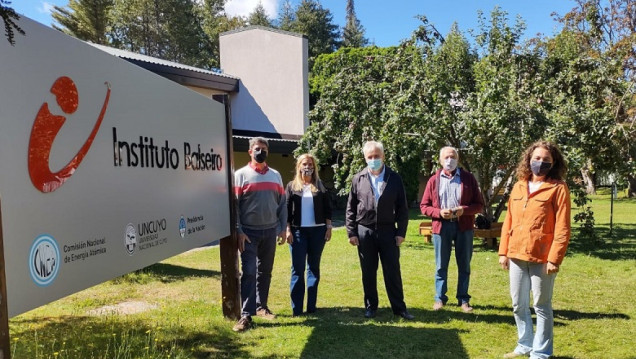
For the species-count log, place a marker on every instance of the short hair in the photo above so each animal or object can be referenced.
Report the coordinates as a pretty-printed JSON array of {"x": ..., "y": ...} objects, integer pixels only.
[
  {"x": 255, "y": 140},
  {"x": 370, "y": 145},
  {"x": 559, "y": 166},
  {"x": 445, "y": 148}
]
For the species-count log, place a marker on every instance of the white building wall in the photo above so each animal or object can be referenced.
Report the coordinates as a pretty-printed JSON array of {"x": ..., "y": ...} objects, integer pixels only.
[{"x": 273, "y": 91}]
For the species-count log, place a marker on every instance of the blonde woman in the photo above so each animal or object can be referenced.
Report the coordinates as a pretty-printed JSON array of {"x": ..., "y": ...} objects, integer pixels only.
[{"x": 308, "y": 229}]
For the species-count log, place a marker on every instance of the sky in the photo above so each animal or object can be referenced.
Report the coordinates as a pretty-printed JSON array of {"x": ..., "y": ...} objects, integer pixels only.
[{"x": 386, "y": 23}]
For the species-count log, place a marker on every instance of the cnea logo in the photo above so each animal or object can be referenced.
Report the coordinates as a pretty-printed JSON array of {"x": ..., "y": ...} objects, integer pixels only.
[
  {"x": 46, "y": 127},
  {"x": 44, "y": 260}
]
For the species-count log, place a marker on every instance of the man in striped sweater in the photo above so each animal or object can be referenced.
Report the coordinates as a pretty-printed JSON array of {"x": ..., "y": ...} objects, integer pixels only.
[{"x": 261, "y": 218}]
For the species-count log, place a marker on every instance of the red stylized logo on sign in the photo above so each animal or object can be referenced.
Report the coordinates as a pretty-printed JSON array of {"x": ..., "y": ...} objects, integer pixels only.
[{"x": 44, "y": 131}]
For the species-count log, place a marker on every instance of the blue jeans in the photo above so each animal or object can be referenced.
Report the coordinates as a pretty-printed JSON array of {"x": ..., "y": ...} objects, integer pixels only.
[
  {"x": 306, "y": 249},
  {"x": 442, "y": 243},
  {"x": 257, "y": 261},
  {"x": 524, "y": 277}
]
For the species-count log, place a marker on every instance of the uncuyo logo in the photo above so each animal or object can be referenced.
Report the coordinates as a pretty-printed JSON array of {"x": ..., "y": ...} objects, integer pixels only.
[
  {"x": 44, "y": 260},
  {"x": 130, "y": 239},
  {"x": 46, "y": 127}
]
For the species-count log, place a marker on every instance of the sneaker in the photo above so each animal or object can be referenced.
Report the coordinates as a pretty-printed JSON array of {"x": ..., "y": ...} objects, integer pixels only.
[
  {"x": 438, "y": 305},
  {"x": 265, "y": 313},
  {"x": 466, "y": 308},
  {"x": 243, "y": 324},
  {"x": 514, "y": 355}
]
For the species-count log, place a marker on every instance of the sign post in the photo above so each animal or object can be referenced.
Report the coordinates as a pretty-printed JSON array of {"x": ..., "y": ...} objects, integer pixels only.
[{"x": 230, "y": 281}]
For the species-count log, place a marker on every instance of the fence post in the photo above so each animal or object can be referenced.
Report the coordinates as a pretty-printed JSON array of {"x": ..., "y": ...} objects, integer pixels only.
[{"x": 612, "y": 207}]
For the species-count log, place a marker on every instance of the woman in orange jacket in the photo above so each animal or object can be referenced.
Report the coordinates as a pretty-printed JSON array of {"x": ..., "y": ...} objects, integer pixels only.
[{"x": 534, "y": 239}]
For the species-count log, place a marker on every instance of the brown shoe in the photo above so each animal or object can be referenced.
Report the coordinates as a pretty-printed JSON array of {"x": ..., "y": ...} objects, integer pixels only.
[
  {"x": 466, "y": 308},
  {"x": 265, "y": 313},
  {"x": 243, "y": 324},
  {"x": 514, "y": 355},
  {"x": 438, "y": 305}
]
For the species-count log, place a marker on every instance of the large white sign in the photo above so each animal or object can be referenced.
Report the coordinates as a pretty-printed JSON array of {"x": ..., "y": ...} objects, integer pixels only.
[{"x": 105, "y": 168}]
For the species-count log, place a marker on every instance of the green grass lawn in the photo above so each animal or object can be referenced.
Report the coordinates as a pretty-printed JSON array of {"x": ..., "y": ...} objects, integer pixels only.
[{"x": 594, "y": 309}]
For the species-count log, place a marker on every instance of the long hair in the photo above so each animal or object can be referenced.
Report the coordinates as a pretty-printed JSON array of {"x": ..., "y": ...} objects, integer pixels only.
[
  {"x": 297, "y": 182},
  {"x": 559, "y": 167}
]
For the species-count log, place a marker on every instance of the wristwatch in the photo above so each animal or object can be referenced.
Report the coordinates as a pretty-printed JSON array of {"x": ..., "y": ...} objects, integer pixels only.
[{"x": 329, "y": 226}]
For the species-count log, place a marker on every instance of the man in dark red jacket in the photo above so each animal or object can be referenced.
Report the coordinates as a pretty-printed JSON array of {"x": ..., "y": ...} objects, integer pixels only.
[{"x": 452, "y": 198}]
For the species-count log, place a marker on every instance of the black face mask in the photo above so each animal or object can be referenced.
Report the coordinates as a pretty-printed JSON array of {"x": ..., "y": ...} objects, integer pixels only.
[
  {"x": 260, "y": 155},
  {"x": 540, "y": 168}
]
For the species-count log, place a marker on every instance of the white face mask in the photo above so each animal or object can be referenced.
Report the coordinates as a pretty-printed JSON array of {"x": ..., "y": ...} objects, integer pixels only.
[{"x": 450, "y": 164}]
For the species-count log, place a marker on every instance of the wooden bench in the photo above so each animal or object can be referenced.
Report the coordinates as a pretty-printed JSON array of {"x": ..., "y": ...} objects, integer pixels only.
[
  {"x": 426, "y": 230},
  {"x": 489, "y": 236}
]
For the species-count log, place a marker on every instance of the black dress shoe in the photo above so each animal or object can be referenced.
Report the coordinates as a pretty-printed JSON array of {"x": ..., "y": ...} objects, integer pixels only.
[
  {"x": 406, "y": 315},
  {"x": 369, "y": 313}
]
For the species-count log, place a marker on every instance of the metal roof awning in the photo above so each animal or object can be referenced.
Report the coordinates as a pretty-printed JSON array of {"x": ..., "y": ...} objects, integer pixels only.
[
  {"x": 179, "y": 73},
  {"x": 276, "y": 145}
]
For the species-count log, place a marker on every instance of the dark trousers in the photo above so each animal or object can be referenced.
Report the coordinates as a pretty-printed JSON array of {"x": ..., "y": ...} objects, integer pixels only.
[
  {"x": 374, "y": 245},
  {"x": 257, "y": 261},
  {"x": 306, "y": 250}
]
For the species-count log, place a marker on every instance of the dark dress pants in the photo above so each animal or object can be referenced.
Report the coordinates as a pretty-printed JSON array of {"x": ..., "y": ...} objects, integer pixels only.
[{"x": 374, "y": 245}]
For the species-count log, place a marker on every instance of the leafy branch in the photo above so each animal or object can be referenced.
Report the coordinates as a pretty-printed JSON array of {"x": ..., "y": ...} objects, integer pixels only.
[{"x": 9, "y": 17}]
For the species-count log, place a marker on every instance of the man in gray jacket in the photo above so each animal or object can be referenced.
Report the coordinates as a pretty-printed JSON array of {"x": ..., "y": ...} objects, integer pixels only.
[
  {"x": 376, "y": 221},
  {"x": 261, "y": 218}
]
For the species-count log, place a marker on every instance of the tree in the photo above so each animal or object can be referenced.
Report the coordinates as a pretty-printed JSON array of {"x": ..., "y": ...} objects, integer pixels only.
[
  {"x": 259, "y": 16},
  {"x": 316, "y": 22},
  {"x": 504, "y": 113},
  {"x": 598, "y": 38},
  {"x": 582, "y": 93},
  {"x": 349, "y": 83},
  {"x": 429, "y": 92},
  {"x": 84, "y": 19},
  {"x": 168, "y": 29},
  {"x": 214, "y": 22},
  {"x": 605, "y": 28},
  {"x": 353, "y": 33},
  {"x": 286, "y": 16},
  {"x": 9, "y": 17}
]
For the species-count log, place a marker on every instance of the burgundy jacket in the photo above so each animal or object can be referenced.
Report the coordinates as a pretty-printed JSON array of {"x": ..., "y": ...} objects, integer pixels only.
[{"x": 471, "y": 200}]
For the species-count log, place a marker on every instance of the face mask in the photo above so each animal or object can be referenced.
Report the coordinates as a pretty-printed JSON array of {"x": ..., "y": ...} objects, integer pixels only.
[
  {"x": 375, "y": 164},
  {"x": 260, "y": 155},
  {"x": 450, "y": 164},
  {"x": 307, "y": 172},
  {"x": 540, "y": 168}
]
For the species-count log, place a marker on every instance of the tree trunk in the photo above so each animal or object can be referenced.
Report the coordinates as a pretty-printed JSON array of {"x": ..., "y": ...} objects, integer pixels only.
[
  {"x": 501, "y": 192},
  {"x": 631, "y": 186},
  {"x": 588, "y": 179}
]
